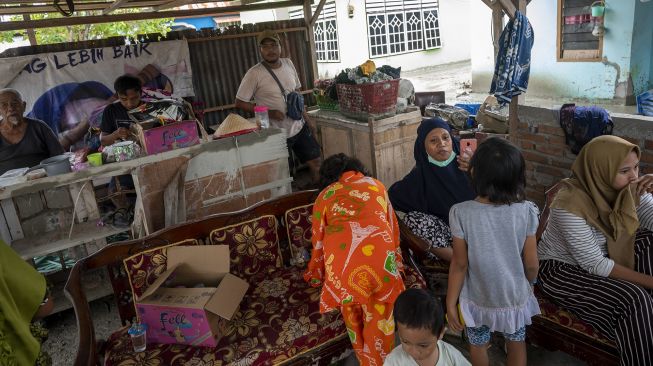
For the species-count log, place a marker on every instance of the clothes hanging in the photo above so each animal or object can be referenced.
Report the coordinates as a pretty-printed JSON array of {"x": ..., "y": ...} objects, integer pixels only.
[{"x": 512, "y": 66}]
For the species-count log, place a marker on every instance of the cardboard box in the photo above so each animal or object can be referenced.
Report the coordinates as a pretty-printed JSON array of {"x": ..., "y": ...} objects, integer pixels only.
[
  {"x": 169, "y": 137},
  {"x": 188, "y": 315}
]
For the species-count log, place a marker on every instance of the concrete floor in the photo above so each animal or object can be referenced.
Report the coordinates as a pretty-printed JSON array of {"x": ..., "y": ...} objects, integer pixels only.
[
  {"x": 455, "y": 80},
  {"x": 62, "y": 343}
]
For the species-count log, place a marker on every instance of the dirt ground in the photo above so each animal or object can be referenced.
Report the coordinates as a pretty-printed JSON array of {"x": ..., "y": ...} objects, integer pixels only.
[{"x": 455, "y": 80}]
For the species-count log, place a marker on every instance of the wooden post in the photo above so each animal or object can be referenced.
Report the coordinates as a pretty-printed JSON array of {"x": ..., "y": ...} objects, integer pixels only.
[
  {"x": 513, "y": 110},
  {"x": 318, "y": 10},
  {"x": 497, "y": 26},
  {"x": 311, "y": 37},
  {"x": 30, "y": 32}
]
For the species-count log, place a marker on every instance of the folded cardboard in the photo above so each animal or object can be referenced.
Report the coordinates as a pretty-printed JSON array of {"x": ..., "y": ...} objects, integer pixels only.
[{"x": 193, "y": 300}]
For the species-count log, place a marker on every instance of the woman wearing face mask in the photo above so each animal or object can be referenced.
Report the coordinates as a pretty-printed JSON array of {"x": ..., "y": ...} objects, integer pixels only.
[
  {"x": 595, "y": 259},
  {"x": 437, "y": 182}
]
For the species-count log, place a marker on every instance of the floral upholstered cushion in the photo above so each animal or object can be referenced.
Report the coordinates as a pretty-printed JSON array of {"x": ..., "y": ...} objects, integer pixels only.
[
  {"x": 145, "y": 267},
  {"x": 413, "y": 279},
  {"x": 298, "y": 225},
  {"x": 562, "y": 317},
  {"x": 278, "y": 320},
  {"x": 253, "y": 246}
]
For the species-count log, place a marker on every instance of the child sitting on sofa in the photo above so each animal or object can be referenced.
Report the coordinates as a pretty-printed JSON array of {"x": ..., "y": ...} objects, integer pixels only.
[
  {"x": 420, "y": 327},
  {"x": 356, "y": 256}
]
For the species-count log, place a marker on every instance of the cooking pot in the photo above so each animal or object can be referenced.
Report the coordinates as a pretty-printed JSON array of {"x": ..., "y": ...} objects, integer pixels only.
[{"x": 55, "y": 165}]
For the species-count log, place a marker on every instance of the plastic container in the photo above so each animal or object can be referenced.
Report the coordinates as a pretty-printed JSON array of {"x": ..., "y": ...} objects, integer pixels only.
[
  {"x": 261, "y": 115},
  {"x": 472, "y": 108},
  {"x": 138, "y": 334},
  {"x": 373, "y": 100},
  {"x": 95, "y": 159}
]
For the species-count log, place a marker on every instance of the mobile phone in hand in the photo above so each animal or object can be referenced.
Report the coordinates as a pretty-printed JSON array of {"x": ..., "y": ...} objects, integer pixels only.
[
  {"x": 123, "y": 123},
  {"x": 466, "y": 144}
]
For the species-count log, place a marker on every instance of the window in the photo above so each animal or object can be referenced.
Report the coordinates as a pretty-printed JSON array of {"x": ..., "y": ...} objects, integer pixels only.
[
  {"x": 400, "y": 26},
  {"x": 575, "y": 41},
  {"x": 325, "y": 31}
]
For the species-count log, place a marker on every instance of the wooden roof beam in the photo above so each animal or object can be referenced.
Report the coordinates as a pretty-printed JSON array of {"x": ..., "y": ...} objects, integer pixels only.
[
  {"x": 172, "y": 4},
  {"x": 507, "y": 5},
  {"x": 115, "y": 5},
  {"x": 509, "y": 8},
  {"x": 98, "y": 5},
  {"x": 92, "y": 19},
  {"x": 318, "y": 10}
]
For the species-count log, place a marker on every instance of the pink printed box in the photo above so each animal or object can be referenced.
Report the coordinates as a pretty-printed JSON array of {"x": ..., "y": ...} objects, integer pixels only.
[
  {"x": 170, "y": 136},
  {"x": 176, "y": 311}
]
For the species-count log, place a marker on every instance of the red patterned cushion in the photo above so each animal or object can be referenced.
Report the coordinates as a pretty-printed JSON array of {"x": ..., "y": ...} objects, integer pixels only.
[
  {"x": 278, "y": 320},
  {"x": 253, "y": 246},
  {"x": 298, "y": 225},
  {"x": 145, "y": 267},
  {"x": 562, "y": 317},
  {"x": 413, "y": 279}
]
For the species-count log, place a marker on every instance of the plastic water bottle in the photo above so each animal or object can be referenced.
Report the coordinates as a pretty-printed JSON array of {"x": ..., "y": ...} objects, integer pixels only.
[
  {"x": 261, "y": 115},
  {"x": 138, "y": 333}
]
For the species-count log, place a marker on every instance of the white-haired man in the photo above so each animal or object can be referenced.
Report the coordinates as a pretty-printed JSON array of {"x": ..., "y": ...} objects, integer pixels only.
[{"x": 25, "y": 142}]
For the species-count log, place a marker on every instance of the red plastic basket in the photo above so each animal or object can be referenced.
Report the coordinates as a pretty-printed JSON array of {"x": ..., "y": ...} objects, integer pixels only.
[{"x": 375, "y": 100}]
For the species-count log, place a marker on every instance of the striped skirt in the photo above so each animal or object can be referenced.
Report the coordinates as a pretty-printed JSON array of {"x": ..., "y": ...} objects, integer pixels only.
[{"x": 620, "y": 310}]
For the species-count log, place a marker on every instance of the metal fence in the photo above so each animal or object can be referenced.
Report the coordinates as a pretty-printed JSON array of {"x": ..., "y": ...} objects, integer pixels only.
[{"x": 219, "y": 59}]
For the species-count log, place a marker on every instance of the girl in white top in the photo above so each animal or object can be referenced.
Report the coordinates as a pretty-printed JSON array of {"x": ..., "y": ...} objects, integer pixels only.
[{"x": 494, "y": 254}]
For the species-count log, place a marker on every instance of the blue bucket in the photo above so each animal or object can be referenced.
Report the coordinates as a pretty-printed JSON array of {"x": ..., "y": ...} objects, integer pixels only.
[{"x": 472, "y": 108}]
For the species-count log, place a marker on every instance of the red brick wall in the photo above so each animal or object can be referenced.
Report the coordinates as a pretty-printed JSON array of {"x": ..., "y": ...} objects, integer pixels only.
[{"x": 549, "y": 159}]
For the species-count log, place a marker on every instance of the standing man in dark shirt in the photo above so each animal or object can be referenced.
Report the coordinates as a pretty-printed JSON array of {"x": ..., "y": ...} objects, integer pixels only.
[
  {"x": 25, "y": 141},
  {"x": 128, "y": 89}
]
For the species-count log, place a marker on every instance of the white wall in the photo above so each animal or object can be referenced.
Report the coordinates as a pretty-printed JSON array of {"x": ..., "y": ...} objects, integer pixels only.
[
  {"x": 18, "y": 43},
  {"x": 455, "y": 36},
  {"x": 352, "y": 36},
  {"x": 258, "y": 16},
  {"x": 549, "y": 77}
]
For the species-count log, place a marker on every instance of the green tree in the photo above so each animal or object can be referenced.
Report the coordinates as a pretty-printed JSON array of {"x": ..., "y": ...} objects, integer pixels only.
[{"x": 87, "y": 32}]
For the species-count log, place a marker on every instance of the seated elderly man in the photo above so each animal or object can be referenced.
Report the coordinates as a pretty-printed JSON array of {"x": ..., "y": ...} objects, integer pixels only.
[{"x": 25, "y": 141}]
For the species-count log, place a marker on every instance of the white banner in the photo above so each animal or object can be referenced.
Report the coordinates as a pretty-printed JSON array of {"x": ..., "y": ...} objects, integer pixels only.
[{"x": 65, "y": 88}]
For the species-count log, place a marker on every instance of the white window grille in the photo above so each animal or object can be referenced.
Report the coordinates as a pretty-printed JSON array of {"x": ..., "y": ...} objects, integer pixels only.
[
  {"x": 400, "y": 26},
  {"x": 325, "y": 30}
]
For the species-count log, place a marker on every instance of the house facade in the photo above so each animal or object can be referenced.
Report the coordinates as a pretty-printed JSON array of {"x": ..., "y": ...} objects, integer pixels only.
[
  {"x": 407, "y": 33},
  {"x": 567, "y": 60}
]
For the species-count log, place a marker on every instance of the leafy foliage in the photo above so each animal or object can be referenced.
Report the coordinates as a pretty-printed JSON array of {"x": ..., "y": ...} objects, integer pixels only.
[{"x": 87, "y": 32}]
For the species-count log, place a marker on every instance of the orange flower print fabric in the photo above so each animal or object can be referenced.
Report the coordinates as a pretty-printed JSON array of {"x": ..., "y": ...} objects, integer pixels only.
[{"x": 355, "y": 235}]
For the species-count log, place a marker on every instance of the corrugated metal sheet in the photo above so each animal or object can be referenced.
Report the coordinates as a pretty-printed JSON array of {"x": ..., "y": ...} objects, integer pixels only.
[{"x": 219, "y": 59}]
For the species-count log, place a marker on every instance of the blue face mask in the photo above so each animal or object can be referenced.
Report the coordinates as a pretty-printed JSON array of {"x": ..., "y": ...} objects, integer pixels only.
[{"x": 441, "y": 164}]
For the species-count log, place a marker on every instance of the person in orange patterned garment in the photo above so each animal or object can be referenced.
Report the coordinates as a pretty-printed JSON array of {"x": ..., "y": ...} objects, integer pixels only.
[{"x": 356, "y": 256}]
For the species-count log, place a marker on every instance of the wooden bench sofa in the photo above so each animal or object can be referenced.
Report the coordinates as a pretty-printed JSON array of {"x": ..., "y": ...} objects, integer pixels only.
[
  {"x": 278, "y": 321},
  {"x": 555, "y": 329}
]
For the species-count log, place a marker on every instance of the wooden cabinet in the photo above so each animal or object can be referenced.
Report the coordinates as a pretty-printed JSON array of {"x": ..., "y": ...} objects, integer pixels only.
[{"x": 385, "y": 146}]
